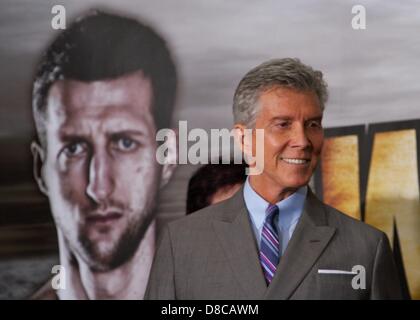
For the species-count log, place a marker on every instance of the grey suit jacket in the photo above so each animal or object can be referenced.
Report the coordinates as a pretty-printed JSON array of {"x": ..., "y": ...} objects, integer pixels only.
[{"x": 212, "y": 254}]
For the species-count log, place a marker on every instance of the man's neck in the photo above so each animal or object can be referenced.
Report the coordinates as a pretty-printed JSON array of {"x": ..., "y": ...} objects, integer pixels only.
[
  {"x": 125, "y": 282},
  {"x": 269, "y": 189}
]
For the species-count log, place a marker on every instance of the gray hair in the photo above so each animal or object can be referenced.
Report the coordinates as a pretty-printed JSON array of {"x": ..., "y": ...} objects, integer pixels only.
[{"x": 288, "y": 72}]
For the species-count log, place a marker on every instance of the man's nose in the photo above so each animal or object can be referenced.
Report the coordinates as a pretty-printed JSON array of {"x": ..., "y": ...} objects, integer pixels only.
[
  {"x": 101, "y": 180},
  {"x": 299, "y": 138}
]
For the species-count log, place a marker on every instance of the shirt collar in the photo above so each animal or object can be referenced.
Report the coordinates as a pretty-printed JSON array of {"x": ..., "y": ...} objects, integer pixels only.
[{"x": 290, "y": 208}]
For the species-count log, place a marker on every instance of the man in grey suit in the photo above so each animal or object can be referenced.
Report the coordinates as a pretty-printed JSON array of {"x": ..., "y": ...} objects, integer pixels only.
[{"x": 274, "y": 239}]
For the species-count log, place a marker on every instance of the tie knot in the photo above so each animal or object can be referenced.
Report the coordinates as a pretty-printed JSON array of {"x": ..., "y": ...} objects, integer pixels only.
[{"x": 271, "y": 213}]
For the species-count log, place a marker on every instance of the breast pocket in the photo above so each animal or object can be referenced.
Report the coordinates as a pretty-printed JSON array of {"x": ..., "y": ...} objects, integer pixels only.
[{"x": 339, "y": 286}]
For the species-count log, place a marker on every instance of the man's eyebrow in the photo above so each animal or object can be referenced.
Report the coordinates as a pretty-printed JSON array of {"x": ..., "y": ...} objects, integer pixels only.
[
  {"x": 287, "y": 118},
  {"x": 70, "y": 137},
  {"x": 281, "y": 118},
  {"x": 126, "y": 132},
  {"x": 318, "y": 118},
  {"x": 66, "y": 136}
]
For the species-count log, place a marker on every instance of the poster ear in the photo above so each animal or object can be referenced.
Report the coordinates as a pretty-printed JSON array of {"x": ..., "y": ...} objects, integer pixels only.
[
  {"x": 38, "y": 154},
  {"x": 170, "y": 160}
]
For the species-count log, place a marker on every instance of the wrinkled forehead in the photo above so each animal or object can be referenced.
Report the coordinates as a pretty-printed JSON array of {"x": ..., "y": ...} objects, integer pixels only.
[
  {"x": 72, "y": 102},
  {"x": 283, "y": 99}
]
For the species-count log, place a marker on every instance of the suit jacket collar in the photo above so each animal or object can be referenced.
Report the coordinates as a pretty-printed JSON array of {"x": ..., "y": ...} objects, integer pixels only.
[
  {"x": 234, "y": 230},
  {"x": 310, "y": 238}
]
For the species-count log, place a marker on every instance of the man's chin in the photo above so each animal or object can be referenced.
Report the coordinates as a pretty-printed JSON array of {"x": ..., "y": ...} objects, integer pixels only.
[
  {"x": 103, "y": 248},
  {"x": 107, "y": 253},
  {"x": 295, "y": 184},
  {"x": 101, "y": 255}
]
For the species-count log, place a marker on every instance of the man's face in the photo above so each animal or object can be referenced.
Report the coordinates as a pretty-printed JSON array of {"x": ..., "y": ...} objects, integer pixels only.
[
  {"x": 293, "y": 137},
  {"x": 100, "y": 167}
]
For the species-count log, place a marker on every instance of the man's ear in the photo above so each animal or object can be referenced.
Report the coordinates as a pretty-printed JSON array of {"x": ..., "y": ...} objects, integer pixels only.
[
  {"x": 38, "y": 154},
  {"x": 239, "y": 130},
  {"x": 171, "y": 158},
  {"x": 243, "y": 138}
]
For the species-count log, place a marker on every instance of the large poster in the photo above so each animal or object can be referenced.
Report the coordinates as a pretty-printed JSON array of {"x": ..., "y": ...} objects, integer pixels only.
[{"x": 379, "y": 184}]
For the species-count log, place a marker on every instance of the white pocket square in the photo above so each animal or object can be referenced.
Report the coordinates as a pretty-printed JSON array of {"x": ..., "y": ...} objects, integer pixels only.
[{"x": 331, "y": 271}]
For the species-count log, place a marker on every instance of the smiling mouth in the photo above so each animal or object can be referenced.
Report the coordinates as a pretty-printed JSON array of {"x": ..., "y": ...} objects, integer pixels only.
[{"x": 296, "y": 161}]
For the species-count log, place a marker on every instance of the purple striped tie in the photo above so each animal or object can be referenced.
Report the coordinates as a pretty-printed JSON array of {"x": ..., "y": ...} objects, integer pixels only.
[{"x": 269, "y": 248}]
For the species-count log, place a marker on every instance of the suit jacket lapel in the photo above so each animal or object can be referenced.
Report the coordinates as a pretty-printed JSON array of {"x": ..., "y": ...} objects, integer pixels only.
[
  {"x": 309, "y": 239},
  {"x": 235, "y": 233}
]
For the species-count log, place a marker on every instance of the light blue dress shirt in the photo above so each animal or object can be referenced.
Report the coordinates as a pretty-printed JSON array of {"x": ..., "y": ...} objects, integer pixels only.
[{"x": 290, "y": 211}]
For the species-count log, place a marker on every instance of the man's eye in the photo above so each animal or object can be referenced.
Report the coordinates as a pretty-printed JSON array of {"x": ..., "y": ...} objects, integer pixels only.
[
  {"x": 75, "y": 149},
  {"x": 283, "y": 124},
  {"x": 126, "y": 144},
  {"x": 314, "y": 124}
]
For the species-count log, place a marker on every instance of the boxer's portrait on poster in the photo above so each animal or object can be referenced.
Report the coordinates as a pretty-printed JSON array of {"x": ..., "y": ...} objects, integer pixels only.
[{"x": 103, "y": 88}]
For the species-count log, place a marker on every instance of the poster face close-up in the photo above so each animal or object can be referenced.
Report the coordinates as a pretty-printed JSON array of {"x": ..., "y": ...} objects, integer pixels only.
[{"x": 209, "y": 150}]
